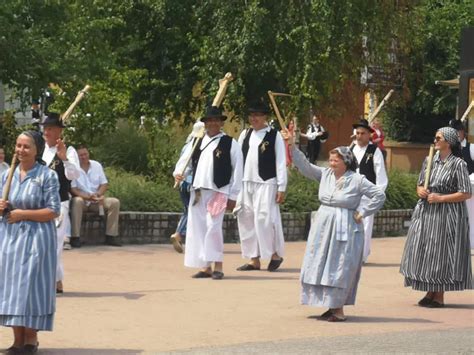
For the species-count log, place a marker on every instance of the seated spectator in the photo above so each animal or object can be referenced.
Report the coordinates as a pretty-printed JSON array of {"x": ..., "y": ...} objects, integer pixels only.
[
  {"x": 88, "y": 195},
  {"x": 3, "y": 166}
]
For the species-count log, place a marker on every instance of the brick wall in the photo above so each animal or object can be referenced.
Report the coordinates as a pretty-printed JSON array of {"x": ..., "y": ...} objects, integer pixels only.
[{"x": 151, "y": 227}]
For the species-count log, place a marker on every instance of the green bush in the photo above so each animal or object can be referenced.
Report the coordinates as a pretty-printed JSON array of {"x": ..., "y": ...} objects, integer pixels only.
[
  {"x": 401, "y": 191},
  {"x": 139, "y": 193}
]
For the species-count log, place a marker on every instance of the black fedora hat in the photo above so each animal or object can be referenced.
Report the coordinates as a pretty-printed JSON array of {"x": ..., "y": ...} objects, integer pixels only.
[
  {"x": 258, "y": 107},
  {"x": 53, "y": 119},
  {"x": 213, "y": 112},
  {"x": 363, "y": 123}
]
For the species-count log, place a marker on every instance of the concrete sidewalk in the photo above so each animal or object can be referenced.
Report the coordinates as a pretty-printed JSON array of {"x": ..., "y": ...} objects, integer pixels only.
[{"x": 139, "y": 299}]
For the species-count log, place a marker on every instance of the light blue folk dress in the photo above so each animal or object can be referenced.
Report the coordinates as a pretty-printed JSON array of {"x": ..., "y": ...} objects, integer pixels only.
[
  {"x": 28, "y": 253},
  {"x": 333, "y": 258}
]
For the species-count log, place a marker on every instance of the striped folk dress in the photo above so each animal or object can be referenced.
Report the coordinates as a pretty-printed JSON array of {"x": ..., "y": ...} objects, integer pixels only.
[
  {"x": 28, "y": 253},
  {"x": 437, "y": 251}
]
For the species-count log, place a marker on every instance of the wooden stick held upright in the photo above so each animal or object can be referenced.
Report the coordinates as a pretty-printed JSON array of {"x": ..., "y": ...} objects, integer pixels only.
[
  {"x": 80, "y": 95},
  {"x": 271, "y": 95},
  {"x": 379, "y": 107},
  {"x": 428, "y": 167},
  {"x": 469, "y": 108},
  {"x": 8, "y": 183},
  {"x": 223, "y": 83}
]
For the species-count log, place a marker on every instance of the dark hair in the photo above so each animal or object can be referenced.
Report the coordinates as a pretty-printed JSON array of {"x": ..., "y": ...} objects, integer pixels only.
[{"x": 456, "y": 149}]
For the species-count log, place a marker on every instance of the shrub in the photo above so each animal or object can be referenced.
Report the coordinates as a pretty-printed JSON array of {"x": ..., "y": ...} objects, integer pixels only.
[
  {"x": 401, "y": 191},
  {"x": 139, "y": 193}
]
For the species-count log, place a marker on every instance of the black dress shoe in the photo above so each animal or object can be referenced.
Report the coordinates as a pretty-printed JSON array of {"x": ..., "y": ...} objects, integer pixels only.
[
  {"x": 12, "y": 350},
  {"x": 424, "y": 302},
  {"x": 201, "y": 275},
  {"x": 217, "y": 275},
  {"x": 435, "y": 304},
  {"x": 75, "y": 242},
  {"x": 274, "y": 264},
  {"x": 30, "y": 349},
  {"x": 112, "y": 241}
]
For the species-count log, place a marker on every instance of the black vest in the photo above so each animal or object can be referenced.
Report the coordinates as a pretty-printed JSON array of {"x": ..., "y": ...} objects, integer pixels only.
[
  {"x": 266, "y": 154},
  {"x": 366, "y": 165},
  {"x": 466, "y": 155},
  {"x": 64, "y": 184},
  {"x": 222, "y": 161}
]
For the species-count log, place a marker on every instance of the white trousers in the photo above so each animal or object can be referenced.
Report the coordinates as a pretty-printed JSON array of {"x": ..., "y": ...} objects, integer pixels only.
[
  {"x": 368, "y": 226},
  {"x": 63, "y": 231},
  {"x": 204, "y": 238},
  {"x": 259, "y": 221},
  {"x": 470, "y": 212}
]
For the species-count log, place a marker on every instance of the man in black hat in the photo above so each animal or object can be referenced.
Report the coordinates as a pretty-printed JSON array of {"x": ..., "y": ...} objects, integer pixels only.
[
  {"x": 468, "y": 156},
  {"x": 264, "y": 185},
  {"x": 316, "y": 134},
  {"x": 371, "y": 165},
  {"x": 217, "y": 179},
  {"x": 66, "y": 164}
]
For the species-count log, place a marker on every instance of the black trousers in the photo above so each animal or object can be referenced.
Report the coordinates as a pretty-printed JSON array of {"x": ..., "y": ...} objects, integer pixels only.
[{"x": 313, "y": 150}]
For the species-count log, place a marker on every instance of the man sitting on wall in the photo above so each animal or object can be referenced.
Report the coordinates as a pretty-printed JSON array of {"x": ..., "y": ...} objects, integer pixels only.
[{"x": 88, "y": 191}]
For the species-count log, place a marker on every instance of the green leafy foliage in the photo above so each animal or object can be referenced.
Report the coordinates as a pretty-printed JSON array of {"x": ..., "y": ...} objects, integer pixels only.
[{"x": 139, "y": 193}]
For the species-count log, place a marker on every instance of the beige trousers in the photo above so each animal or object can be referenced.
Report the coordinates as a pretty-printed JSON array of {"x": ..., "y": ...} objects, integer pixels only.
[{"x": 112, "y": 210}]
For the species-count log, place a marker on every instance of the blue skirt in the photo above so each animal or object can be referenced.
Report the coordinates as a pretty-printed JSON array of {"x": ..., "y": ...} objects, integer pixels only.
[{"x": 34, "y": 322}]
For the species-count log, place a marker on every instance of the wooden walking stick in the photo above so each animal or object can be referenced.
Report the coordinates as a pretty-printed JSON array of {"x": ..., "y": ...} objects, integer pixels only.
[
  {"x": 80, "y": 95},
  {"x": 198, "y": 132},
  {"x": 379, "y": 107},
  {"x": 428, "y": 167},
  {"x": 469, "y": 108},
  {"x": 8, "y": 183},
  {"x": 272, "y": 95}
]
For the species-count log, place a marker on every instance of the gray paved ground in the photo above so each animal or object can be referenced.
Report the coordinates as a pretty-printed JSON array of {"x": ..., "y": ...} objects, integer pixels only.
[
  {"x": 141, "y": 299},
  {"x": 458, "y": 341}
]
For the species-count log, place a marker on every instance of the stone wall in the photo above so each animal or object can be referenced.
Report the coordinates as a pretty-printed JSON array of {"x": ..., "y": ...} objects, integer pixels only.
[{"x": 151, "y": 227}]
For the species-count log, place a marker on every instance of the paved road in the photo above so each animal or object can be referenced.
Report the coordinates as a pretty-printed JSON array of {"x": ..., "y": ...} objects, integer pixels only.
[{"x": 140, "y": 299}]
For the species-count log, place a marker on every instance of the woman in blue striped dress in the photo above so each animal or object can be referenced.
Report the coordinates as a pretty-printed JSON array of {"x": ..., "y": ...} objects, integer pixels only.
[
  {"x": 28, "y": 246},
  {"x": 437, "y": 251}
]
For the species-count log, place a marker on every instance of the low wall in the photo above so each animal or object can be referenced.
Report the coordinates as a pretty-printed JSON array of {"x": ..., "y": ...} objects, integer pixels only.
[
  {"x": 406, "y": 156},
  {"x": 156, "y": 227}
]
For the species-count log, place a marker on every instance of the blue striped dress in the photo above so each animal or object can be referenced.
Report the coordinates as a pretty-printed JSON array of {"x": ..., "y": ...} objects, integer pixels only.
[
  {"x": 437, "y": 251},
  {"x": 28, "y": 253}
]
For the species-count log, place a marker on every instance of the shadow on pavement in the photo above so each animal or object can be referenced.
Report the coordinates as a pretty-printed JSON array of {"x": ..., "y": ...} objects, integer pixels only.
[
  {"x": 250, "y": 277},
  {"x": 459, "y": 306},
  {"x": 295, "y": 270},
  {"x": 91, "y": 351},
  {"x": 127, "y": 295},
  {"x": 381, "y": 265},
  {"x": 363, "y": 319}
]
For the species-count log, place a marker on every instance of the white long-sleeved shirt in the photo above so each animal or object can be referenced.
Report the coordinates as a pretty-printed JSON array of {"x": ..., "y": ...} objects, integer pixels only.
[
  {"x": 251, "y": 163},
  {"x": 204, "y": 175},
  {"x": 312, "y": 135},
  {"x": 381, "y": 179},
  {"x": 471, "y": 151},
  {"x": 71, "y": 166}
]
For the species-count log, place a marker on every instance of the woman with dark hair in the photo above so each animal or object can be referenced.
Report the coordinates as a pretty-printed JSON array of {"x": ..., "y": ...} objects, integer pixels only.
[
  {"x": 28, "y": 246},
  {"x": 333, "y": 259},
  {"x": 437, "y": 251}
]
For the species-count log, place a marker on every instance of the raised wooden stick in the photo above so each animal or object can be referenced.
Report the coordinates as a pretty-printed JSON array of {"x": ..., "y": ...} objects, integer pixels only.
[
  {"x": 8, "y": 183},
  {"x": 80, "y": 95},
  {"x": 469, "y": 108},
  {"x": 379, "y": 107},
  {"x": 428, "y": 167},
  {"x": 275, "y": 109},
  {"x": 223, "y": 83}
]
